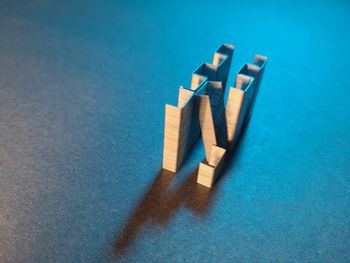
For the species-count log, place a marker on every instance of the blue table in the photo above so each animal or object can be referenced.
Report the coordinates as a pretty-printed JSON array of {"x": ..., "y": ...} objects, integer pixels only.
[{"x": 82, "y": 92}]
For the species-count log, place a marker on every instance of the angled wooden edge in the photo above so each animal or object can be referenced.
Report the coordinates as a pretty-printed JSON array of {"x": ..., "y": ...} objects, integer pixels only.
[
  {"x": 243, "y": 81},
  {"x": 232, "y": 113},
  {"x": 237, "y": 105},
  {"x": 184, "y": 96},
  {"x": 176, "y": 130},
  {"x": 218, "y": 70},
  {"x": 208, "y": 172},
  {"x": 199, "y": 77},
  {"x": 171, "y": 137},
  {"x": 207, "y": 124},
  {"x": 223, "y": 58},
  {"x": 223, "y": 52},
  {"x": 255, "y": 70},
  {"x": 260, "y": 60},
  {"x": 212, "y": 116}
]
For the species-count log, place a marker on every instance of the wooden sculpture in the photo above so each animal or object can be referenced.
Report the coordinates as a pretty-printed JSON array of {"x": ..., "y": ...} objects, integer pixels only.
[
  {"x": 201, "y": 110},
  {"x": 181, "y": 122}
]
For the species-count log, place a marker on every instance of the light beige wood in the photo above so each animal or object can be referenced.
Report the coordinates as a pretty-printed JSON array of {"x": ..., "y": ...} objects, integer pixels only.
[
  {"x": 207, "y": 124},
  {"x": 240, "y": 102},
  {"x": 208, "y": 172},
  {"x": 182, "y": 127},
  {"x": 177, "y": 130},
  {"x": 260, "y": 60},
  {"x": 199, "y": 109},
  {"x": 184, "y": 97},
  {"x": 218, "y": 70},
  {"x": 212, "y": 116},
  {"x": 236, "y": 107},
  {"x": 233, "y": 109},
  {"x": 216, "y": 156}
]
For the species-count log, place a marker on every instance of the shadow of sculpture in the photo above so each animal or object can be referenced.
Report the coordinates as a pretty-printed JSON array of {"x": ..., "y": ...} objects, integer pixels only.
[{"x": 160, "y": 202}]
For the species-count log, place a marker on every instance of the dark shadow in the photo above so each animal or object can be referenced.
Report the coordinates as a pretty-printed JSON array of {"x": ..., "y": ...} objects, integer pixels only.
[{"x": 160, "y": 201}]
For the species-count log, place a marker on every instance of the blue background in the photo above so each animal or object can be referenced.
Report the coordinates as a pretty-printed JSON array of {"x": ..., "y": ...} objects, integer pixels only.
[{"x": 82, "y": 92}]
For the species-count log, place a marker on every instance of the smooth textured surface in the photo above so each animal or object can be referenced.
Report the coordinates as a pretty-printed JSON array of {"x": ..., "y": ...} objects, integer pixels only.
[{"x": 82, "y": 92}]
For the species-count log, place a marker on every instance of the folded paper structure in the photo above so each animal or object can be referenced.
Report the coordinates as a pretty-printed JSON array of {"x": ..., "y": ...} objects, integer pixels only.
[
  {"x": 182, "y": 121},
  {"x": 201, "y": 110}
]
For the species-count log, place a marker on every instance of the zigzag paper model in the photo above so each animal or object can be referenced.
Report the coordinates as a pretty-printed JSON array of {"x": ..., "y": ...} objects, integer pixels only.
[{"x": 201, "y": 110}]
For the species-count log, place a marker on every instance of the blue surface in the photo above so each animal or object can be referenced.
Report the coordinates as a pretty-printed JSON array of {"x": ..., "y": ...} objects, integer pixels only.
[{"x": 82, "y": 92}]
